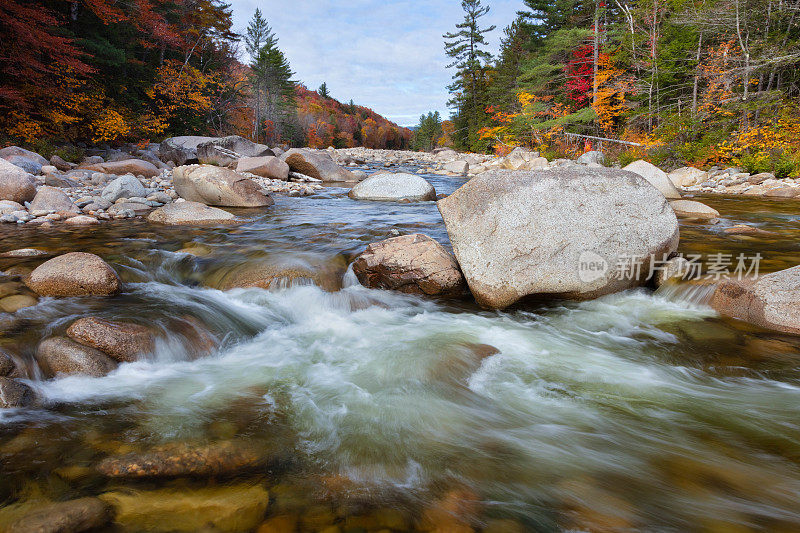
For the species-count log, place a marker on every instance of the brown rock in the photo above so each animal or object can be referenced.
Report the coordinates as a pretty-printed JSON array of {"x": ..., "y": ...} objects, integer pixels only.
[
  {"x": 218, "y": 186},
  {"x": 60, "y": 355},
  {"x": 14, "y": 394},
  {"x": 65, "y": 517},
  {"x": 744, "y": 229},
  {"x": 15, "y": 184},
  {"x": 181, "y": 460},
  {"x": 15, "y": 302},
  {"x": 60, "y": 164},
  {"x": 52, "y": 199},
  {"x": 82, "y": 220},
  {"x": 267, "y": 167},
  {"x": 24, "y": 252},
  {"x": 693, "y": 210},
  {"x": 771, "y": 301},
  {"x": 324, "y": 273},
  {"x": 74, "y": 274},
  {"x": 137, "y": 167},
  {"x": 317, "y": 164},
  {"x": 783, "y": 192},
  {"x": 413, "y": 264},
  {"x": 7, "y": 364},
  {"x": 182, "y": 213},
  {"x": 120, "y": 340}
]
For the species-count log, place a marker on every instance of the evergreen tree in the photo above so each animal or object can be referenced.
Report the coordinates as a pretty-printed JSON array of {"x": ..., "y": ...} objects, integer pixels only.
[
  {"x": 323, "y": 90},
  {"x": 466, "y": 47},
  {"x": 428, "y": 132}
]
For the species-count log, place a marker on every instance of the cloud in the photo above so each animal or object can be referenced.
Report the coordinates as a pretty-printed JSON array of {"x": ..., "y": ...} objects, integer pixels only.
[{"x": 386, "y": 55}]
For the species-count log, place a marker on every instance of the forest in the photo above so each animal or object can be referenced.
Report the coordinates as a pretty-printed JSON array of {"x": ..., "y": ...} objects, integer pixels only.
[
  {"x": 700, "y": 82},
  {"x": 109, "y": 72}
]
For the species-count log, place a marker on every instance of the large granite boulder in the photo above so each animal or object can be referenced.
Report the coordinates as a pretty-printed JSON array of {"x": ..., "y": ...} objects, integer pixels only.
[
  {"x": 687, "y": 176},
  {"x": 386, "y": 186},
  {"x": 137, "y": 167},
  {"x": 189, "y": 213},
  {"x": 52, "y": 199},
  {"x": 657, "y": 178},
  {"x": 265, "y": 166},
  {"x": 124, "y": 187},
  {"x": 772, "y": 301},
  {"x": 181, "y": 150},
  {"x": 218, "y": 186},
  {"x": 63, "y": 356},
  {"x": 74, "y": 274},
  {"x": 28, "y": 165},
  {"x": 414, "y": 264},
  {"x": 16, "y": 151},
  {"x": 592, "y": 157},
  {"x": 316, "y": 164},
  {"x": 569, "y": 232},
  {"x": 122, "y": 341},
  {"x": 225, "y": 151},
  {"x": 15, "y": 184}
]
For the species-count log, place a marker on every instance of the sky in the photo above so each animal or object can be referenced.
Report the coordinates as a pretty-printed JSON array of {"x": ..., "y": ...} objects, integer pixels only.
[{"x": 386, "y": 55}]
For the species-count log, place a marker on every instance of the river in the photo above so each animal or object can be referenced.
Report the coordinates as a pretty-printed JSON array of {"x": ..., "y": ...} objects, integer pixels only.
[{"x": 639, "y": 411}]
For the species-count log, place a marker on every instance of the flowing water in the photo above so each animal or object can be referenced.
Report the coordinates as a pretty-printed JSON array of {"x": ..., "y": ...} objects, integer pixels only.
[{"x": 379, "y": 411}]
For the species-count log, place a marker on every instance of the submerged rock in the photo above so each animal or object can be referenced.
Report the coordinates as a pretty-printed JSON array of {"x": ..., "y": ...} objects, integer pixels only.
[
  {"x": 657, "y": 178},
  {"x": 7, "y": 364},
  {"x": 15, "y": 184},
  {"x": 74, "y": 274},
  {"x": 771, "y": 301},
  {"x": 14, "y": 394},
  {"x": 63, "y": 356},
  {"x": 318, "y": 165},
  {"x": 180, "y": 213},
  {"x": 413, "y": 264},
  {"x": 218, "y": 186},
  {"x": 569, "y": 232},
  {"x": 386, "y": 186},
  {"x": 64, "y": 517},
  {"x": 15, "y": 302},
  {"x": 182, "y": 460},
  {"x": 122, "y": 341},
  {"x": 322, "y": 272},
  {"x": 226, "y": 509}
]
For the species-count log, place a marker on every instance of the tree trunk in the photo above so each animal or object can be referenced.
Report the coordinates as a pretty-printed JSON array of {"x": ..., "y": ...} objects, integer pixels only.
[{"x": 697, "y": 75}]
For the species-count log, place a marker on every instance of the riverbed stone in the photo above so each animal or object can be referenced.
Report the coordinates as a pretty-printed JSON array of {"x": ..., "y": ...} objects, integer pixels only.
[
  {"x": 218, "y": 186},
  {"x": 592, "y": 157},
  {"x": 394, "y": 187},
  {"x": 456, "y": 167},
  {"x": 15, "y": 302},
  {"x": 694, "y": 210},
  {"x": 317, "y": 164},
  {"x": 15, "y": 184},
  {"x": 28, "y": 165},
  {"x": 657, "y": 178},
  {"x": 60, "y": 164},
  {"x": 414, "y": 264},
  {"x": 771, "y": 301},
  {"x": 137, "y": 167},
  {"x": 187, "y": 213},
  {"x": 783, "y": 192},
  {"x": 10, "y": 151},
  {"x": 51, "y": 199},
  {"x": 182, "y": 460},
  {"x": 181, "y": 150},
  {"x": 225, "y": 509},
  {"x": 687, "y": 176},
  {"x": 326, "y": 273},
  {"x": 223, "y": 151},
  {"x": 566, "y": 233},
  {"x": 266, "y": 167},
  {"x": 122, "y": 341},
  {"x": 85, "y": 514},
  {"x": 123, "y": 187},
  {"x": 81, "y": 220},
  {"x": 63, "y": 356},
  {"x": 14, "y": 394},
  {"x": 74, "y": 274},
  {"x": 7, "y": 364}
]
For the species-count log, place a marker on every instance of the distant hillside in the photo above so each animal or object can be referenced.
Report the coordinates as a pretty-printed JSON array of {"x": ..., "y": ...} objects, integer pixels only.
[{"x": 328, "y": 122}]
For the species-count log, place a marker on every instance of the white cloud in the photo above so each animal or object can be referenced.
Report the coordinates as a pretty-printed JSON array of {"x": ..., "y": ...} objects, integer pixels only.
[{"x": 385, "y": 55}]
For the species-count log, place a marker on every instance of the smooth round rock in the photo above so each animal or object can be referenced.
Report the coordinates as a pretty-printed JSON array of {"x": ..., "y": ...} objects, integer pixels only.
[
  {"x": 74, "y": 274},
  {"x": 391, "y": 187},
  {"x": 63, "y": 356},
  {"x": 122, "y": 341}
]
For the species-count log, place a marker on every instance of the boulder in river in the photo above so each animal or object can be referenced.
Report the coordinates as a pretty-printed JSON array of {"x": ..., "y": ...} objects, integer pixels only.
[
  {"x": 7, "y": 364},
  {"x": 123, "y": 187},
  {"x": 74, "y": 274},
  {"x": 317, "y": 164},
  {"x": 122, "y": 341},
  {"x": 266, "y": 166},
  {"x": 14, "y": 394},
  {"x": 186, "y": 213},
  {"x": 592, "y": 157},
  {"x": 28, "y": 165},
  {"x": 223, "y": 508},
  {"x": 290, "y": 270},
  {"x": 51, "y": 199},
  {"x": 137, "y": 167},
  {"x": 225, "y": 151},
  {"x": 218, "y": 186},
  {"x": 657, "y": 178},
  {"x": 413, "y": 264},
  {"x": 181, "y": 150},
  {"x": 63, "y": 356},
  {"x": 687, "y": 176},
  {"x": 694, "y": 210},
  {"x": 11, "y": 151},
  {"x": 772, "y": 301},
  {"x": 386, "y": 186},
  {"x": 569, "y": 232},
  {"x": 15, "y": 184},
  {"x": 457, "y": 167},
  {"x": 73, "y": 516}
]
